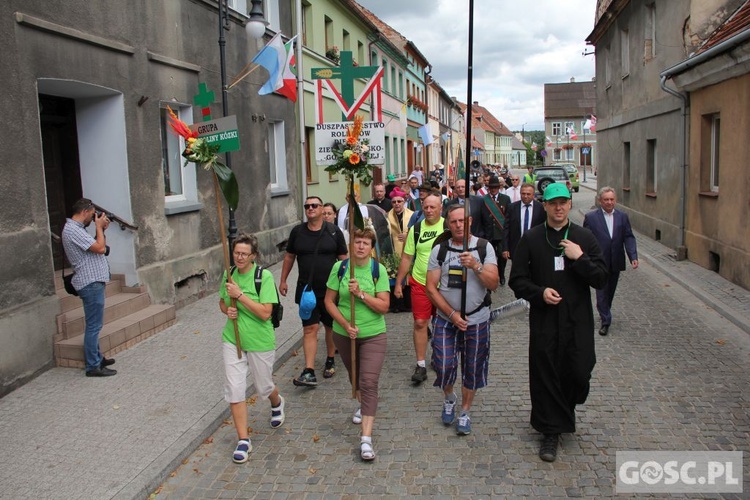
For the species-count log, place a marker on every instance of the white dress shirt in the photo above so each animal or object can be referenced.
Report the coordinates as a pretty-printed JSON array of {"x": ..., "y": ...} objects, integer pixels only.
[
  {"x": 610, "y": 220},
  {"x": 514, "y": 193}
]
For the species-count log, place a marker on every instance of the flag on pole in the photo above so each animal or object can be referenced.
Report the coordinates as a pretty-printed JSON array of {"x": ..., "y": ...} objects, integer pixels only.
[
  {"x": 278, "y": 59},
  {"x": 593, "y": 123},
  {"x": 425, "y": 135},
  {"x": 549, "y": 141},
  {"x": 533, "y": 146},
  {"x": 571, "y": 131}
]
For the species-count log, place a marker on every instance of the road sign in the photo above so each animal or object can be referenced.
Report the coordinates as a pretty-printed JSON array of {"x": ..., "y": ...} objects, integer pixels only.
[
  {"x": 222, "y": 131},
  {"x": 585, "y": 151},
  {"x": 326, "y": 134}
]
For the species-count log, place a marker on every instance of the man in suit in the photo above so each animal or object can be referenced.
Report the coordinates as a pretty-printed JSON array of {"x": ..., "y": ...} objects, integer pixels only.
[
  {"x": 475, "y": 207},
  {"x": 518, "y": 222},
  {"x": 494, "y": 217},
  {"x": 615, "y": 236},
  {"x": 514, "y": 191}
]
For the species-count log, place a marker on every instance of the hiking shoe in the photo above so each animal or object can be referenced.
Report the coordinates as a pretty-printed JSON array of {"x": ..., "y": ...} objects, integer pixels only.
[
  {"x": 277, "y": 414},
  {"x": 449, "y": 411},
  {"x": 548, "y": 449},
  {"x": 242, "y": 452},
  {"x": 306, "y": 379},
  {"x": 420, "y": 374},
  {"x": 329, "y": 369},
  {"x": 464, "y": 424},
  {"x": 357, "y": 417}
]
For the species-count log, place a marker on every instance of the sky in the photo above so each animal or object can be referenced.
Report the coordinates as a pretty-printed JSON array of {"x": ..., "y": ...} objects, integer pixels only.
[{"x": 518, "y": 47}]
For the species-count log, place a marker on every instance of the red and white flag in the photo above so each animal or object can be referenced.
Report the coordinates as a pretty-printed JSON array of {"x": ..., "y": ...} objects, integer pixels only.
[{"x": 571, "y": 131}]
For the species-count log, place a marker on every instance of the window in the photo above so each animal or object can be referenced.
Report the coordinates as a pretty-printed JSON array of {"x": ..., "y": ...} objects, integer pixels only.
[
  {"x": 388, "y": 162},
  {"x": 709, "y": 157},
  {"x": 569, "y": 128},
  {"x": 626, "y": 165},
  {"x": 570, "y": 154},
  {"x": 394, "y": 82},
  {"x": 607, "y": 66},
  {"x": 360, "y": 52},
  {"x": 306, "y": 21},
  {"x": 238, "y": 6},
  {"x": 651, "y": 166},
  {"x": 556, "y": 128},
  {"x": 276, "y": 148},
  {"x": 180, "y": 185},
  {"x": 649, "y": 36},
  {"x": 400, "y": 84},
  {"x": 346, "y": 42},
  {"x": 556, "y": 154},
  {"x": 271, "y": 11},
  {"x": 329, "y": 33},
  {"x": 625, "y": 52}
]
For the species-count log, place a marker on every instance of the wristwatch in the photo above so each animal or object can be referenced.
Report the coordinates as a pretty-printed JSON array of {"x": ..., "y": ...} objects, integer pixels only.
[
  {"x": 362, "y": 296},
  {"x": 479, "y": 269}
]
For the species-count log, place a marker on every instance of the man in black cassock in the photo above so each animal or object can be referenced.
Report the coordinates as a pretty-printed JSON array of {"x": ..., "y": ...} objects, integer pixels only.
[{"x": 554, "y": 265}]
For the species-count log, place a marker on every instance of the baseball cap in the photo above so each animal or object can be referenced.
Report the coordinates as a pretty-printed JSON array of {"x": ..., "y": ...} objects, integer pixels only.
[
  {"x": 391, "y": 177},
  {"x": 307, "y": 303},
  {"x": 556, "y": 190}
]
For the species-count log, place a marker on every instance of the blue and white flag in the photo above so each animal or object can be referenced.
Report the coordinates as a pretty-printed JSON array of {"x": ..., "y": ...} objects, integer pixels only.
[{"x": 425, "y": 135}]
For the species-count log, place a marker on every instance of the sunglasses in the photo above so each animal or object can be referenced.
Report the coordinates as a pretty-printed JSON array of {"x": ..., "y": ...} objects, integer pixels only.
[{"x": 308, "y": 206}]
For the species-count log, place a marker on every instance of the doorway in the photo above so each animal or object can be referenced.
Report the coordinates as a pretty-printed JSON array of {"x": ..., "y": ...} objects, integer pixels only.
[{"x": 62, "y": 172}]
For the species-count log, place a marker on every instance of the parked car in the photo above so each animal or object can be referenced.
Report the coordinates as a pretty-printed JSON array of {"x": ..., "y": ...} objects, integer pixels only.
[
  {"x": 572, "y": 173},
  {"x": 547, "y": 175}
]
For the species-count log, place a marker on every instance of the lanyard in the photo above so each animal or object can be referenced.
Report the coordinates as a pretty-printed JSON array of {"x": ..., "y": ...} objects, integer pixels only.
[{"x": 565, "y": 237}]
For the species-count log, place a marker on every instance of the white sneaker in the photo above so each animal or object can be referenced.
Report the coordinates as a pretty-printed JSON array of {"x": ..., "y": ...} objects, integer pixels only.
[{"x": 357, "y": 417}]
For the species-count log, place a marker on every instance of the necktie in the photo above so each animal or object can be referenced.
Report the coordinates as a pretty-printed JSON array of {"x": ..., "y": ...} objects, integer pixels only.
[{"x": 526, "y": 219}]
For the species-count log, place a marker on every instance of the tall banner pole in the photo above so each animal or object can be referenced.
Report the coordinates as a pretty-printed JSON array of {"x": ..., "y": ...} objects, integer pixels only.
[{"x": 469, "y": 146}]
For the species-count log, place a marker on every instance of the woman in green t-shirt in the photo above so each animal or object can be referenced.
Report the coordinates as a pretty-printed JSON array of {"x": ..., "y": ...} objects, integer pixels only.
[
  {"x": 371, "y": 301},
  {"x": 257, "y": 338}
]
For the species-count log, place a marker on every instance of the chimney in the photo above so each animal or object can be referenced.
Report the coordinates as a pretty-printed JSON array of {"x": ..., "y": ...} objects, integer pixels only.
[{"x": 572, "y": 79}]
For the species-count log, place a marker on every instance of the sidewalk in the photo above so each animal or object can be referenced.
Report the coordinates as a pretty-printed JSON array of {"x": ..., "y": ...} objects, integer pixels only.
[
  {"x": 67, "y": 436},
  {"x": 730, "y": 300}
]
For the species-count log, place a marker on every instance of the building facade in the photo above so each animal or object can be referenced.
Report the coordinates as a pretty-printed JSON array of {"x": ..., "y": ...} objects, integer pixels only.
[{"x": 90, "y": 88}]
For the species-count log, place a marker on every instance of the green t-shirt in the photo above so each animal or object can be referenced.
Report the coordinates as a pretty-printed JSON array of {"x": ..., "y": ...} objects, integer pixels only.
[
  {"x": 368, "y": 321},
  {"x": 255, "y": 335},
  {"x": 427, "y": 235}
]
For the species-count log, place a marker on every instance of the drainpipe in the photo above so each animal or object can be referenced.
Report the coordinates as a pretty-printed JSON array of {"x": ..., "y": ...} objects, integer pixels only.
[{"x": 681, "y": 249}]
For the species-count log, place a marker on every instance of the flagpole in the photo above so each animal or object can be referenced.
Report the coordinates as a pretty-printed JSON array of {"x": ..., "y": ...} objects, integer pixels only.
[
  {"x": 467, "y": 169},
  {"x": 301, "y": 103}
]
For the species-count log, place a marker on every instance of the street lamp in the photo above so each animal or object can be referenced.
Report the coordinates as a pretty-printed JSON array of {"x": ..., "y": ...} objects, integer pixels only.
[{"x": 255, "y": 28}]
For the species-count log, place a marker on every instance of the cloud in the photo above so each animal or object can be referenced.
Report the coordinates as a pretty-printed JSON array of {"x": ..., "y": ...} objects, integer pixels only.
[{"x": 518, "y": 47}]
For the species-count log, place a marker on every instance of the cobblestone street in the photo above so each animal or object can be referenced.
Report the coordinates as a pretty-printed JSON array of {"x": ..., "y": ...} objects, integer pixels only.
[{"x": 671, "y": 375}]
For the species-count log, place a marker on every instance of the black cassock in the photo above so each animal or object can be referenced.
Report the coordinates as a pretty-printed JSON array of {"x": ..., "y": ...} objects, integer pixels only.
[{"x": 561, "y": 343}]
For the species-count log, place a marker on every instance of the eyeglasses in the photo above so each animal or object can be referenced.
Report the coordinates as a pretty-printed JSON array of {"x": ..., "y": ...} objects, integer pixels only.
[
  {"x": 397, "y": 201},
  {"x": 242, "y": 255},
  {"x": 515, "y": 180},
  {"x": 308, "y": 206}
]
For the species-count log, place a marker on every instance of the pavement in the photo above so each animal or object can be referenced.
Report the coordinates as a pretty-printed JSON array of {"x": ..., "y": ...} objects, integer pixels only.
[{"x": 672, "y": 375}]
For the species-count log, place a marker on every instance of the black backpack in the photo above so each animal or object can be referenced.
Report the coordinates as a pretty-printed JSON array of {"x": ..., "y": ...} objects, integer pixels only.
[{"x": 277, "y": 312}]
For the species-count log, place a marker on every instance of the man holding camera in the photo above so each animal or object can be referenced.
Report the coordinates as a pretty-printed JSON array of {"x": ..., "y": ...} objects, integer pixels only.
[{"x": 87, "y": 255}]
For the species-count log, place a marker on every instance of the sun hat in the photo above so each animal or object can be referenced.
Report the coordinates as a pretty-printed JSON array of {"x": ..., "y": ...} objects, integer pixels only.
[{"x": 556, "y": 190}]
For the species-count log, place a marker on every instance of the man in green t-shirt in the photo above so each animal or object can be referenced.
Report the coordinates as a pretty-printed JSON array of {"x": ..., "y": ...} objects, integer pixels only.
[{"x": 417, "y": 249}]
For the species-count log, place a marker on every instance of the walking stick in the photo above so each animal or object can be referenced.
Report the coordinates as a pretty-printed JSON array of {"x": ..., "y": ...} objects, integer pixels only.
[
  {"x": 352, "y": 206},
  {"x": 225, "y": 247}
]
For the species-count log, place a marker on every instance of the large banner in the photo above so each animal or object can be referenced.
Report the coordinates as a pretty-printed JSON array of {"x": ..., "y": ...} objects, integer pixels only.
[{"x": 326, "y": 134}]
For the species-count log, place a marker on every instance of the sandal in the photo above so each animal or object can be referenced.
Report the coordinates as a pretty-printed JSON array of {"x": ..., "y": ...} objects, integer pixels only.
[
  {"x": 241, "y": 453},
  {"x": 365, "y": 449},
  {"x": 277, "y": 414}
]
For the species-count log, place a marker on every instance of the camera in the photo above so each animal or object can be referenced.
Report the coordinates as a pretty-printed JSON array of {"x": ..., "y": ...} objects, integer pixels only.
[{"x": 109, "y": 215}]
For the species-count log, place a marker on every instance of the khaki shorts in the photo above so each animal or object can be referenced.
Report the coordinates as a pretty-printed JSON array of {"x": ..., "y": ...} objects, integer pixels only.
[{"x": 235, "y": 373}]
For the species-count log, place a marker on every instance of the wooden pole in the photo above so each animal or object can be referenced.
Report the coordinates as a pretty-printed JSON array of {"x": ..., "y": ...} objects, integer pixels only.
[
  {"x": 225, "y": 247},
  {"x": 469, "y": 148},
  {"x": 352, "y": 207}
]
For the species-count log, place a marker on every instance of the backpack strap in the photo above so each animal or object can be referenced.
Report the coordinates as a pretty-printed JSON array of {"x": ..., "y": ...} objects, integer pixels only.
[
  {"x": 375, "y": 269},
  {"x": 258, "y": 278},
  {"x": 481, "y": 249},
  {"x": 417, "y": 229}
]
